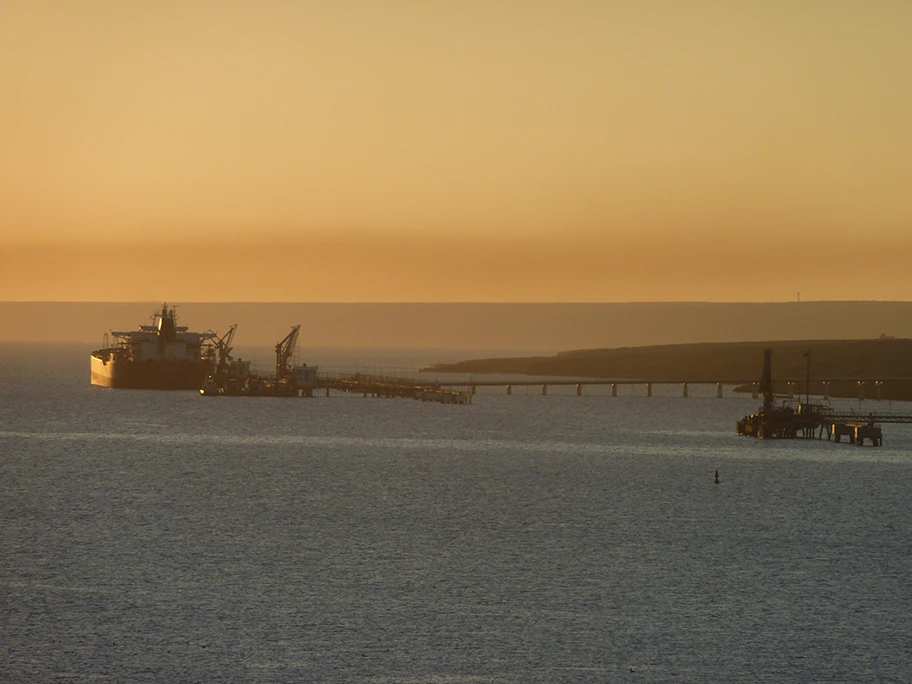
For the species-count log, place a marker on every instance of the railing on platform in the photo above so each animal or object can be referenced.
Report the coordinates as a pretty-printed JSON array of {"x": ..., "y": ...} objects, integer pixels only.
[{"x": 870, "y": 417}]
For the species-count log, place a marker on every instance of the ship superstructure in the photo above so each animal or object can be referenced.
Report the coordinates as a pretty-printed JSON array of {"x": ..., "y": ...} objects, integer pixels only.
[{"x": 163, "y": 355}]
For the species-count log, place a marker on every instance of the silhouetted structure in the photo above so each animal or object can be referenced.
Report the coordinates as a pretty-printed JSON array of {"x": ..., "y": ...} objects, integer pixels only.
[
  {"x": 808, "y": 420},
  {"x": 158, "y": 356}
]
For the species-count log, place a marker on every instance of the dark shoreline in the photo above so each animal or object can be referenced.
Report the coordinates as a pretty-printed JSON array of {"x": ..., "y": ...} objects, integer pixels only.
[{"x": 886, "y": 360}]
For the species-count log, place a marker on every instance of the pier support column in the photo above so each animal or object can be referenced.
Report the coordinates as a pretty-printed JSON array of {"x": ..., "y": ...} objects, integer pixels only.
[
  {"x": 509, "y": 390},
  {"x": 544, "y": 390},
  {"x": 861, "y": 390},
  {"x": 579, "y": 390},
  {"x": 614, "y": 389},
  {"x": 473, "y": 389},
  {"x": 648, "y": 389},
  {"x": 719, "y": 390},
  {"x": 327, "y": 391},
  {"x": 826, "y": 390},
  {"x": 685, "y": 390},
  {"x": 877, "y": 389},
  {"x": 755, "y": 390}
]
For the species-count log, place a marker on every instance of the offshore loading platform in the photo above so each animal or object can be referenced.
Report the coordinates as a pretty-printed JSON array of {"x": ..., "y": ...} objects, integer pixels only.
[
  {"x": 233, "y": 377},
  {"x": 809, "y": 421}
]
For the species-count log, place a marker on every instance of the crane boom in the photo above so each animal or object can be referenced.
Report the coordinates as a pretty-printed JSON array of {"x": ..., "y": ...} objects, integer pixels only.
[
  {"x": 284, "y": 350},
  {"x": 223, "y": 344}
]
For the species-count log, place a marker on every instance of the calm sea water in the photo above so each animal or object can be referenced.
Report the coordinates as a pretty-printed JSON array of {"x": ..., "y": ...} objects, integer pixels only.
[{"x": 156, "y": 536}]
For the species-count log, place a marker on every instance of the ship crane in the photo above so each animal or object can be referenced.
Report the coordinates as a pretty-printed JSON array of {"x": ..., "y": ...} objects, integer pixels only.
[
  {"x": 223, "y": 344},
  {"x": 284, "y": 350}
]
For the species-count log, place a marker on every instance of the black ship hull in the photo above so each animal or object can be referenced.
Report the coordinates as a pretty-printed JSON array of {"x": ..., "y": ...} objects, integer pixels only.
[{"x": 158, "y": 375}]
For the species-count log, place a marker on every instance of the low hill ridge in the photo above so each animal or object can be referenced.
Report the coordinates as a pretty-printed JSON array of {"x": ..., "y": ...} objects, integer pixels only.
[{"x": 883, "y": 358}]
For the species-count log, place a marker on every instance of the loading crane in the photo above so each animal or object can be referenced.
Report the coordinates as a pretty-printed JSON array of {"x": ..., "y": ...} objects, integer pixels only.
[
  {"x": 284, "y": 350},
  {"x": 783, "y": 421},
  {"x": 223, "y": 344},
  {"x": 766, "y": 382}
]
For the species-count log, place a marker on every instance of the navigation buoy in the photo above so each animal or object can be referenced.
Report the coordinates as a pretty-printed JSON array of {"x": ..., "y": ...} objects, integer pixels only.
[{"x": 717, "y": 477}]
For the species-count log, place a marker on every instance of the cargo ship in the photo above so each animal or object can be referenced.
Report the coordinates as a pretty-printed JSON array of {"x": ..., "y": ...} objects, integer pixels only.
[{"x": 163, "y": 355}]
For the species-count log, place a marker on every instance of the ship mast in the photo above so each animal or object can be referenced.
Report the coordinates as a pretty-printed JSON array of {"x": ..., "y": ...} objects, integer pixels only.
[{"x": 766, "y": 382}]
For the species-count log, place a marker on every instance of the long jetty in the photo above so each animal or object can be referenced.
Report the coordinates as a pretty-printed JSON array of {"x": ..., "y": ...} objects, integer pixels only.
[{"x": 793, "y": 386}]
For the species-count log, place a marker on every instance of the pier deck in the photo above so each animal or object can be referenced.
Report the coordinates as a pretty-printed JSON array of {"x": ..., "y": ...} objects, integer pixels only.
[{"x": 393, "y": 387}]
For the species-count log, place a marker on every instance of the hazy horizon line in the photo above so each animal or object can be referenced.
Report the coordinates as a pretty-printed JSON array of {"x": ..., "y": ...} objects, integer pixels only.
[{"x": 461, "y": 302}]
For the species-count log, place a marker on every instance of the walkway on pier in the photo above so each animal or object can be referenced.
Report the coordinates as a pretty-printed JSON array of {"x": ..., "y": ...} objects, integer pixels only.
[
  {"x": 391, "y": 387},
  {"x": 871, "y": 416},
  {"x": 471, "y": 385}
]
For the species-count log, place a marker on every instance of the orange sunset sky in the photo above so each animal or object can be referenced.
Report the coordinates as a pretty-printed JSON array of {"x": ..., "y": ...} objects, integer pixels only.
[{"x": 489, "y": 150}]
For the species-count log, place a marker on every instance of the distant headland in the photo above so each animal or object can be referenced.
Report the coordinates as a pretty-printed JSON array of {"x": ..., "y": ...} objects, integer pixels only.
[{"x": 885, "y": 358}]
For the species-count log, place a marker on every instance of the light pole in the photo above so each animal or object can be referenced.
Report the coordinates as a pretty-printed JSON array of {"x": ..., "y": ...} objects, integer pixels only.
[{"x": 807, "y": 384}]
